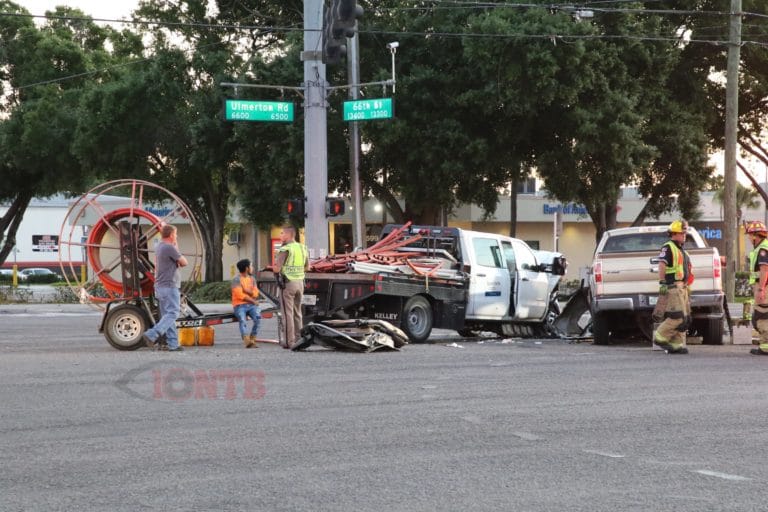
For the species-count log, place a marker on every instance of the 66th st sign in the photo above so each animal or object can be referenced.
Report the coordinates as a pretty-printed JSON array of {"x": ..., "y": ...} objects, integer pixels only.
[{"x": 364, "y": 110}]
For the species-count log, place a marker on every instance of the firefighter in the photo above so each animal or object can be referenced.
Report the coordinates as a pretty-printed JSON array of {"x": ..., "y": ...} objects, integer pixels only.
[
  {"x": 674, "y": 278},
  {"x": 758, "y": 278}
]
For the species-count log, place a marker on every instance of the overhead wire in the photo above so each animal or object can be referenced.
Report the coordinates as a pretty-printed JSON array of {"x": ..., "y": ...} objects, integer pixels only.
[{"x": 450, "y": 3}]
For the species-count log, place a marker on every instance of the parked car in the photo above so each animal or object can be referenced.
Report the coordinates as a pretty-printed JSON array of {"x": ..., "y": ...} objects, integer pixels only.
[
  {"x": 7, "y": 273},
  {"x": 24, "y": 274}
]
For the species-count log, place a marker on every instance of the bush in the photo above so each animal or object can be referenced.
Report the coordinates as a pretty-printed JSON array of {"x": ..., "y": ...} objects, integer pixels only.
[
  {"x": 211, "y": 292},
  {"x": 42, "y": 279}
]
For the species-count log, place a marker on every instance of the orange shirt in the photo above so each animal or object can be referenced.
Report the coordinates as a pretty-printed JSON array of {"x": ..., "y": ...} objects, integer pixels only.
[{"x": 243, "y": 287}]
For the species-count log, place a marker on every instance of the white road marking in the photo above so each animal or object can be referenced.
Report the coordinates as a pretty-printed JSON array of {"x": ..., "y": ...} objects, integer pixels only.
[
  {"x": 526, "y": 435},
  {"x": 724, "y": 476},
  {"x": 605, "y": 454}
]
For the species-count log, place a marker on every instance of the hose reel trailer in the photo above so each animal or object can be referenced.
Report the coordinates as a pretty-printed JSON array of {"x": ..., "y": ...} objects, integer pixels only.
[{"x": 114, "y": 229}]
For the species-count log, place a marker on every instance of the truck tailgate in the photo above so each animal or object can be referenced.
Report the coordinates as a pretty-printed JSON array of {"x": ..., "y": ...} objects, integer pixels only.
[{"x": 624, "y": 273}]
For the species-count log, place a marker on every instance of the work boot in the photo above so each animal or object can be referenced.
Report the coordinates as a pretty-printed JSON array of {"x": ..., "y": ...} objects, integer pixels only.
[
  {"x": 680, "y": 350},
  {"x": 148, "y": 342},
  {"x": 248, "y": 341},
  {"x": 758, "y": 352}
]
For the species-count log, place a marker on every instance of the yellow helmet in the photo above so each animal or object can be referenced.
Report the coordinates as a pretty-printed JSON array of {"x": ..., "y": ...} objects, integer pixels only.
[
  {"x": 756, "y": 227},
  {"x": 678, "y": 226}
]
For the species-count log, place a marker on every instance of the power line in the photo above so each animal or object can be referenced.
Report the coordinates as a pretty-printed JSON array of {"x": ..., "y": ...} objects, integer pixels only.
[{"x": 267, "y": 29}]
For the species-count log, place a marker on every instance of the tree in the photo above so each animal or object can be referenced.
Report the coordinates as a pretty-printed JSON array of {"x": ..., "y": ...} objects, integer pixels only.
[
  {"x": 168, "y": 117},
  {"x": 45, "y": 70}
]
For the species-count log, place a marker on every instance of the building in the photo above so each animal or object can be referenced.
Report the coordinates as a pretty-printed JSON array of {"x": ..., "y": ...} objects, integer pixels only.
[{"x": 537, "y": 224}]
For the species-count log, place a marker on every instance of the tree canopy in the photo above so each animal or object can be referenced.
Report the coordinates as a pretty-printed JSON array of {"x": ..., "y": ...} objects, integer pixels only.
[{"x": 486, "y": 95}]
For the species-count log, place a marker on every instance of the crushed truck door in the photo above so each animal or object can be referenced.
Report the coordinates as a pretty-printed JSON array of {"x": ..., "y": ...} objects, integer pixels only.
[{"x": 489, "y": 286}]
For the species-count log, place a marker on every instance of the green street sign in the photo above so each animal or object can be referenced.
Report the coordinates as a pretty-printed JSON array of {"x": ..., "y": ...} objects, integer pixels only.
[
  {"x": 268, "y": 111},
  {"x": 364, "y": 110}
]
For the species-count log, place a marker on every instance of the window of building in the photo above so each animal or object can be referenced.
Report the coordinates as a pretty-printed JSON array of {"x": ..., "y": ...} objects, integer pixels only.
[{"x": 527, "y": 186}]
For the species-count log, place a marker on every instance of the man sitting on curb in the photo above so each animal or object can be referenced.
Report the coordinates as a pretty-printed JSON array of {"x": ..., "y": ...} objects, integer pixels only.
[{"x": 244, "y": 295}]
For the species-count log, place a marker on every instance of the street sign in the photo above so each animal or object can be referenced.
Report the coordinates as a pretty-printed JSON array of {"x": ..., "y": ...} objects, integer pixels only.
[
  {"x": 364, "y": 110},
  {"x": 268, "y": 111}
]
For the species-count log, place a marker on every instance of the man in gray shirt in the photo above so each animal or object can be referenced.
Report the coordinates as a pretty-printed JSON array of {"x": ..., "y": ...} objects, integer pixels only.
[{"x": 168, "y": 260}]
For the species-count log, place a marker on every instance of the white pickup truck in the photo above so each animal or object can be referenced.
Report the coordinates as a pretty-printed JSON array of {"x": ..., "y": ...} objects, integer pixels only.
[
  {"x": 624, "y": 284},
  {"x": 497, "y": 284}
]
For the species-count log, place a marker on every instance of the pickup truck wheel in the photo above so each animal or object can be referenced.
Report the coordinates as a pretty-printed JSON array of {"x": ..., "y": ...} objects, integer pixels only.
[
  {"x": 417, "y": 318},
  {"x": 713, "y": 335},
  {"x": 124, "y": 326},
  {"x": 600, "y": 331}
]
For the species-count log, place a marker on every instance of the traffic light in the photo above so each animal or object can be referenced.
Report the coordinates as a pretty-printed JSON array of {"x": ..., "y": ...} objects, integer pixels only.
[
  {"x": 333, "y": 48},
  {"x": 295, "y": 208},
  {"x": 345, "y": 15},
  {"x": 339, "y": 22},
  {"x": 334, "y": 207}
]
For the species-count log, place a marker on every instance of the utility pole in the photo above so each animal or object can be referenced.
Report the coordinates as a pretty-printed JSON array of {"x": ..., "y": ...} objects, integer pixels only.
[
  {"x": 315, "y": 131},
  {"x": 353, "y": 76},
  {"x": 731, "y": 142}
]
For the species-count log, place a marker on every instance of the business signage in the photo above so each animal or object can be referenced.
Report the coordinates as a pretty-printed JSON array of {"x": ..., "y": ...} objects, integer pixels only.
[
  {"x": 565, "y": 209},
  {"x": 45, "y": 243}
]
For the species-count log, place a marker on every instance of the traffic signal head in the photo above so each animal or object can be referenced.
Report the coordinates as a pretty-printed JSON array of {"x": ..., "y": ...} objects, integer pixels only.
[
  {"x": 334, "y": 207},
  {"x": 339, "y": 22},
  {"x": 345, "y": 15},
  {"x": 333, "y": 47},
  {"x": 295, "y": 208}
]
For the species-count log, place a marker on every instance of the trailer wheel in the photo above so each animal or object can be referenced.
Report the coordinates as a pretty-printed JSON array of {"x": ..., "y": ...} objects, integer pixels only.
[
  {"x": 713, "y": 333},
  {"x": 600, "y": 331},
  {"x": 417, "y": 318},
  {"x": 124, "y": 326}
]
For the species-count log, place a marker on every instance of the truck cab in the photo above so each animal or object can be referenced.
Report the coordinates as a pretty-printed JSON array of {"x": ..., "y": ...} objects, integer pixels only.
[{"x": 510, "y": 290}]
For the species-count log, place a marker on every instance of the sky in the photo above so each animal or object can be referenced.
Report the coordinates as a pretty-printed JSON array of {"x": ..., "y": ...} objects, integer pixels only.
[{"x": 108, "y": 9}]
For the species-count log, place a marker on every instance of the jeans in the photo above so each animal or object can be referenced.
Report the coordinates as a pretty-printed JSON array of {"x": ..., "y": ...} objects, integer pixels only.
[
  {"x": 242, "y": 312},
  {"x": 169, "y": 300}
]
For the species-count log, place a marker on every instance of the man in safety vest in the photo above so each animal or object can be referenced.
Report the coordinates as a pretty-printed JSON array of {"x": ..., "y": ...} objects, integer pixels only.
[
  {"x": 292, "y": 262},
  {"x": 674, "y": 277},
  {"x": 758, "y": 278}
]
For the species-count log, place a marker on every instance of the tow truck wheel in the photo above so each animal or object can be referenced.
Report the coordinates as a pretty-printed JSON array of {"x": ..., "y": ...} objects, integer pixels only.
[
  {"x": 124, "y": 326},
  {"x": 417, "y": 318}
]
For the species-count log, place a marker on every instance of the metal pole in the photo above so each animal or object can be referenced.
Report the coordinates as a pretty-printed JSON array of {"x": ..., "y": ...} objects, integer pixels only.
[
  {"x": 353, "y": 76},
  {"x": 731, "y": 140},
  {"x": 315, "y": 131},
  {"x": 393, "y": 50}
]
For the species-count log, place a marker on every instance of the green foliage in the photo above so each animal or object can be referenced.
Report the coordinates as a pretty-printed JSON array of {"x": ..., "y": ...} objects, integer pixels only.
[{"x": 216, "y": 292}]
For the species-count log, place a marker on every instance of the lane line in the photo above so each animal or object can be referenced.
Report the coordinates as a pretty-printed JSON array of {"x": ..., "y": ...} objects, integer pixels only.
[
  {"x": 724, "y": 476},
  {"x": 605, "y": 454}
]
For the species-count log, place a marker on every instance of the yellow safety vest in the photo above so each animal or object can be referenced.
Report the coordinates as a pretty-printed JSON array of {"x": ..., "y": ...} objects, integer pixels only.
[
  {"x": 754, "y": 270},
  {"x": 677, "y": 268},
  {"x": 293, "y": 267}
]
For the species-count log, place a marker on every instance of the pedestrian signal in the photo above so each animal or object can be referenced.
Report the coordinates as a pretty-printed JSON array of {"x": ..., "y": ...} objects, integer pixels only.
[
  {"x": 295, "y": 208},
  {"x": 334, "y": 207}
]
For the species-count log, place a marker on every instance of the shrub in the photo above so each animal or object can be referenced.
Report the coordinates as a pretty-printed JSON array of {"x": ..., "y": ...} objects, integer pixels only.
[{"x": 211, "y": 292}]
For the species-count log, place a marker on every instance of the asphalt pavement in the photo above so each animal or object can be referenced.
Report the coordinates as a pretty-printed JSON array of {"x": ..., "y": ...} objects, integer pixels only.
[{"x": 456, "y": 424}]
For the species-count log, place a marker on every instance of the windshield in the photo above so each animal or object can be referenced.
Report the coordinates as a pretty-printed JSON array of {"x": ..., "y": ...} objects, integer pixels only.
[{"x": 632, "y": 242}]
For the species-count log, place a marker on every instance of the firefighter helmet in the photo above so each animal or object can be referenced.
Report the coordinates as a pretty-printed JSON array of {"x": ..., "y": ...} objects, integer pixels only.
[
  {"x": 678, "y": 226},
  {"x": 756, "y": 227}
]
